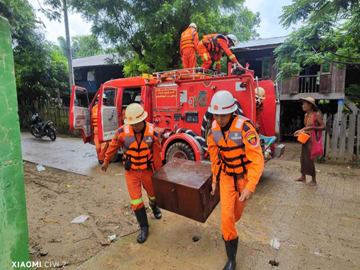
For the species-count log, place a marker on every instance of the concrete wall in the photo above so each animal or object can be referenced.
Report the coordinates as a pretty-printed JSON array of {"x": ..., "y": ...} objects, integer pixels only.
[{"x": 13, "y": 219}]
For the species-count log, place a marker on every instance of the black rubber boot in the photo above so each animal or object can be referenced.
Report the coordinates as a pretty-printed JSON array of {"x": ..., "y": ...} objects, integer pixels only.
[
  {"x": 156, "y": 210},
  {"x": 231, "y": 249},
  {"x": 144, "y": 225}
]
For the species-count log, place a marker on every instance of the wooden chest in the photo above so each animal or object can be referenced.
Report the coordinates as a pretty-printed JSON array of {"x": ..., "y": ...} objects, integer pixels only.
[{"x": 183, "y": 187}]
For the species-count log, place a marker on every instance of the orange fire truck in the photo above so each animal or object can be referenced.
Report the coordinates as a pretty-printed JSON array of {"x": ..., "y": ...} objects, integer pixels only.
[{"x": 177, "y": 102}]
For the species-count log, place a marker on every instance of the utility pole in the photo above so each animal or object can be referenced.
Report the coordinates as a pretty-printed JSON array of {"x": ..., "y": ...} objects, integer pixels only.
[{"x": 68, "y": 46}]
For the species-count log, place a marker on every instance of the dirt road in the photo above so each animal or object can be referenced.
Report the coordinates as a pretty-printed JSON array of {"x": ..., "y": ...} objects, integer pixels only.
[
  {"x": 72, "y": 185},
  {"x": 298, "y": 226}
]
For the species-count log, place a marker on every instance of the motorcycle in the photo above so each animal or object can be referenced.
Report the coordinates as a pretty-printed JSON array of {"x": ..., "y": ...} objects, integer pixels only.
[{"x": 40, "y": 129}]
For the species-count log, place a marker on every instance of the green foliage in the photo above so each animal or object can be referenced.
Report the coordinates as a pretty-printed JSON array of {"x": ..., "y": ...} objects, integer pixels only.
[
  {"x": 55, "y": 10},
  {"x": 288, "y": 70},
  {"x": 331, "y": 34},
  {"x": 312, "y": 11},
  {"x": 22, "y": 20},
  {"x": 147, "y": 33},
  {"x": 82, "y": 46},
  {"x": 353, "y": 93},
  {"x": 40, "y": 68},
  {"x": 62, "y": 46}
]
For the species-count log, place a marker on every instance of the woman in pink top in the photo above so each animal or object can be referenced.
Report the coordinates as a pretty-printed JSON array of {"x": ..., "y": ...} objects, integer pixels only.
[{"x": 307, "y": 164}]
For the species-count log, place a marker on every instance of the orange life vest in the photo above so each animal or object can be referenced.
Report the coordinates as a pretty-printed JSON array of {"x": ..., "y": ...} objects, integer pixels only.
[
  {"x": 209, "y": 41},
  {"x": 232, "y": 155},
  {"x": 140, "y": 155},
  {"x": 94, "y": 115},
  {"x": 187, "y": 38}
]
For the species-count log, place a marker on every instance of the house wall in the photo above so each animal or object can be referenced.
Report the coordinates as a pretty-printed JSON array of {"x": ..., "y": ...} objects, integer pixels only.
[
  {"x": 326, "y": 85},
  {"x": 256, "y": 59}
]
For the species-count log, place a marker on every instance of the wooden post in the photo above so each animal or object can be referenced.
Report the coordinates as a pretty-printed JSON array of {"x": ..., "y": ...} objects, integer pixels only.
[
  {"x": 336, "y": 130},
  {"x": 334, "y": 135},
  {"x": 327, "y": 146},
  {"x": 342, "y": 134},
  {"x": 352, "y": 126}
]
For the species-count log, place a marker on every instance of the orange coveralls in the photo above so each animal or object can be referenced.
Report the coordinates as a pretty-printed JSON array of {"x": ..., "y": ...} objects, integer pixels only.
[
  {"x": 231, "y": 207},
  {"x": 259, "y": 109},
  {"x": 134, "y": 179},
  {"x": 100, "y": 147},
  {"x": 188, "y": 45},
  {"x": 207, "y": 55}
]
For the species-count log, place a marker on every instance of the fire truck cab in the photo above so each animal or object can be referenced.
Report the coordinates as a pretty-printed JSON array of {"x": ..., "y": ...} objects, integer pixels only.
[{"x": 176, "y": 102}]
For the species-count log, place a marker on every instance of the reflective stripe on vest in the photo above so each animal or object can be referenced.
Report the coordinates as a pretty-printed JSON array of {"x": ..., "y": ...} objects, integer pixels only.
[
  {"x": 231, "y": 153},
  {"x": 140, "y": 156},
  {"x": 94, "y": 115},
  {"x": 187, "y": 38},
  {"x": 210, "y": 43}
]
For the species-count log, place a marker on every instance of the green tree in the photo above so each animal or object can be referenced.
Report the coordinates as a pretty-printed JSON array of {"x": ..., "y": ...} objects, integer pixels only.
[
  {"x": 147, "y": 33},
  {"x": 85, "y": 46},
  {"x": 40, "y": 68},
  {"x": 23, "y": 22},
  {"x": 331, "y": 34},
  {"x": 82, "y": 46},
  {"x": 62, "y": 46}
]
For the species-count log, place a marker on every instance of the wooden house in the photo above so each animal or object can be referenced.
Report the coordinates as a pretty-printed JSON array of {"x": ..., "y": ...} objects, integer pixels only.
[{"x": 325, "y": 83}]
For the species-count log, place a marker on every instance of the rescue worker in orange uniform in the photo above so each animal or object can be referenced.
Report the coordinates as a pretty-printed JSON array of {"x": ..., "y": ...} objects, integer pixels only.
[
  {"x": 141, "y": 158},
  {"x": 259, "y": 97},
  {"x": 211, "y": 47},
  {"x": 188, "y": 46},
  {"x": 237, "y": 163},
  {"x": 100, "y": 147}
]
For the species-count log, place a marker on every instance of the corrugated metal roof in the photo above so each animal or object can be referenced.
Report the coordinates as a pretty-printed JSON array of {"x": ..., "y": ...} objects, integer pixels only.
[
  {"x": 259, "y": 43},
  {"x": 96, "y": 60}
]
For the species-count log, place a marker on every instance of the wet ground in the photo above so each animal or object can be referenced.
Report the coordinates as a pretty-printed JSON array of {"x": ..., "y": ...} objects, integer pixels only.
[
  {"x": 289, "y": 224},
  {"x": 66, "y": 153},
  {"x": 55, "y": 197}
]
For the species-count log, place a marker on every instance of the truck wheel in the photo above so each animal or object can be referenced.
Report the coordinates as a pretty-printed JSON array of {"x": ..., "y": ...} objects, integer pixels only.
[{"x": 180, "y": 150}]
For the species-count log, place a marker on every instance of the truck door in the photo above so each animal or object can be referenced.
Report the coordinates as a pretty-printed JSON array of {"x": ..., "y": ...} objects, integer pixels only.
[
  {"x": 80, "y": 113},
  {"x": 108, "y": 113},
  {"x": 268, "y": 116}
]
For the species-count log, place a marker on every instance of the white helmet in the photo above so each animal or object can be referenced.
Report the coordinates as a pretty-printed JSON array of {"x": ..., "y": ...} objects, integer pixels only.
[
  {"x": 222, "y": 102},
  {"x": 260, "y": 93},
  {"x": 193, "y": 25},
  {"x": 233, "y": 38},
  {"x": 104, "y": 96},
  {"x": 134, "y": 114}
]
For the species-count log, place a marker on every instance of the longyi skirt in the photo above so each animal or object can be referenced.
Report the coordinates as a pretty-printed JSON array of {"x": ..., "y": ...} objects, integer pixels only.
[{"x": 307, "y": 164}]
